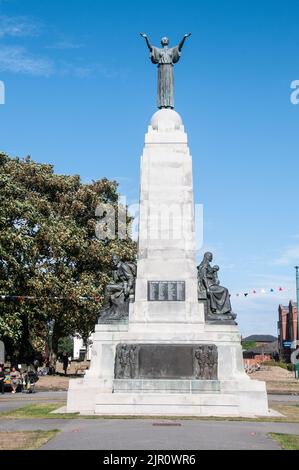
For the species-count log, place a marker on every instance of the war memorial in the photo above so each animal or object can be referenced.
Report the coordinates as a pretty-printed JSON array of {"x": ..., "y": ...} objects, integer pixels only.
[{"x": 167, "y": 342}]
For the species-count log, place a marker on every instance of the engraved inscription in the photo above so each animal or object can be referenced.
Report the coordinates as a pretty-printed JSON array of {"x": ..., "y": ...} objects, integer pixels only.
[
  {"x": 166, "y": 291},
  {"x": 163, "y": 291},
  {"x": 172, "y": 291},
  {"x": 153, "y": 290},
  {"x": 181, "y": 290}
]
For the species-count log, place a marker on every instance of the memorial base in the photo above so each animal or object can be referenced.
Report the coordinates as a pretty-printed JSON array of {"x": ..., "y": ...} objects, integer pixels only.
[
  {"x": 233, "y": 393},
  {"x": 167, "y": 359}
]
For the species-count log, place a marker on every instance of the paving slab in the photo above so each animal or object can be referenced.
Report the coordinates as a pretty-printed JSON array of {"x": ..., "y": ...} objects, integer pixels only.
[{"x": 161, "y": 435}]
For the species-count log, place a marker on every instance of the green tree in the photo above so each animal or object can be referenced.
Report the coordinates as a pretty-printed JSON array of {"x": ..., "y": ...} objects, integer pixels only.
[
  {"x": 246, "y": 345},
  {"x": 65, "y": 345},
  {"x": 49, "y": 251}
]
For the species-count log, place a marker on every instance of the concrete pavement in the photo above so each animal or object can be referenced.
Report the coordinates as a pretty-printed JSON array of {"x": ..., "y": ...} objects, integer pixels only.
[
  {"x": 147, "y": 434},
  {"x": 140, "y": 434}
]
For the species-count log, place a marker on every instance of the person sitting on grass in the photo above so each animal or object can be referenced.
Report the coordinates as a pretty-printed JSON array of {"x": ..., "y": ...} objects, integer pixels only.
[{"x": 15, "y": 377}]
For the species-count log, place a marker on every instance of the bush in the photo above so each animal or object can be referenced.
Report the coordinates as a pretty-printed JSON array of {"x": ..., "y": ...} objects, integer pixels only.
[{"x": 248, "y": 345}]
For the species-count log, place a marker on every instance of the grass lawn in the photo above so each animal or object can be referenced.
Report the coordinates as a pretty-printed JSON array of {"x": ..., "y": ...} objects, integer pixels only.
[
  {"x": 290, "y": 412},
  {"x": 287, "y": 441},
  {"x": 37, "y": 411},
  {"x": 25, "y": 440},
  {"x": 44, "y": 411}
]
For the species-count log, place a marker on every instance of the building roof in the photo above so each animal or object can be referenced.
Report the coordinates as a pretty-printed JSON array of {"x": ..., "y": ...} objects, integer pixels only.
[{"x": 260, "y": 338}]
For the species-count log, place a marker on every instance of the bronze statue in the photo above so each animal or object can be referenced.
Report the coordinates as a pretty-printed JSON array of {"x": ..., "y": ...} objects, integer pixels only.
[
  {"x": 122, "y": 363},
  {"x": 198, "y": 353},
  {"x": 206, "y": 362},
  {"x": 209, "y": 289},
  {"x": 126, "y": 361},
  {"x": 165, "y": 58},
  {"x": 120, "y": 293}
]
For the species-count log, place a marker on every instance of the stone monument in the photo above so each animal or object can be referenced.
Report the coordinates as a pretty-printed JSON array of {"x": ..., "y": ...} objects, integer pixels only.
[{"x": 167, "y": 342}]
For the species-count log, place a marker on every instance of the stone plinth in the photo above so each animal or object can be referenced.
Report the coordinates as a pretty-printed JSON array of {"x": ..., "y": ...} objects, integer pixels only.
[
  {"x": 166, "y": 245},
  {"x": 166, "y": 261}
]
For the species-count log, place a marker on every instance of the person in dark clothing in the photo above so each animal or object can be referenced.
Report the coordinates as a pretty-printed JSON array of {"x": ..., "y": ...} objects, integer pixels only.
[
  {"x": 65, "y": 362},
  {"x": 2, "y": 380}
]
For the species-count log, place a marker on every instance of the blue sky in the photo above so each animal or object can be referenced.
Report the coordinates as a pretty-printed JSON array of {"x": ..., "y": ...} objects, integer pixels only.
[{"x": 80, "y": 91}]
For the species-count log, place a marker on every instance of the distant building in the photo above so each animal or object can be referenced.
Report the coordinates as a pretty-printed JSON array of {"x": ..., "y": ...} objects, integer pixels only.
[
  {"x": 287, "y": 329},
  {"x": 265, "y": 348},
  {"x": 260, "y": 340},
  {"x": 263, "y": 352},
  {"x": 79, "y": 350}
]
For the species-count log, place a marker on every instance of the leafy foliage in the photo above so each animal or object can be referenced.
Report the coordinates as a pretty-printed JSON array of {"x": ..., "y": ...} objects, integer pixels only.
[
  {"x": 48, "y": 249},
  {"x": 246, "y": 345},
  {"x": 65, "y": 346}
]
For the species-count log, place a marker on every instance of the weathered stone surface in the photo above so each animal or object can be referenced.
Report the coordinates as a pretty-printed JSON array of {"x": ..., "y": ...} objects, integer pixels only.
[
  {"x": 169, "y": 386},
  {"x": 166, "y": 361}
]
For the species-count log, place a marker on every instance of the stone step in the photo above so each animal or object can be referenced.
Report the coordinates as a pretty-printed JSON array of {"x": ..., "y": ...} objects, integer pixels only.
[
  {"x": 168, "y": 386},
  {"x": 167, "y": 404}
]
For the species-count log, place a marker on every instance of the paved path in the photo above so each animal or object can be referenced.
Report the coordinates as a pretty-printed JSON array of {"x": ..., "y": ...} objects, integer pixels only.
[
  {"x": 283, "y": 398},
  {"x": 144, "y": 434},
  {"x": 111, "y": 434},
  {"x": 126, "y": 434}
]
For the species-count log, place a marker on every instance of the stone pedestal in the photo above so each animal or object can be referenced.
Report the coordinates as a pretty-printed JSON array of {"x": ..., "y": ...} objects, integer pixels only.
[{"x": 166, "y": 311}]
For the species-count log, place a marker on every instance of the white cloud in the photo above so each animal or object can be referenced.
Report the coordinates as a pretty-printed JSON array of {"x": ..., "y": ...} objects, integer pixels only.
[
  {"x": 18, "y": 26},
  {"x": 64, "y": 45},
  {"x": 81, "y": 70},
  {"x": 17, "y": 59},
  {"x": 289, "y": 256}
]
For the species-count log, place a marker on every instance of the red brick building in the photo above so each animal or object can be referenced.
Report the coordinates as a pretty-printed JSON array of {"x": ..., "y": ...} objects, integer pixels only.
[{"x": 287, "y": 329}]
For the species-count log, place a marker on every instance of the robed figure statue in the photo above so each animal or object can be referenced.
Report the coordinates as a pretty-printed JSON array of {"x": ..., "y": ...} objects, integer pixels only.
[
  {"x": 209, "y": 288},
  {"x": 119, "y": 292},
  {"x": 165, "y": 57}
]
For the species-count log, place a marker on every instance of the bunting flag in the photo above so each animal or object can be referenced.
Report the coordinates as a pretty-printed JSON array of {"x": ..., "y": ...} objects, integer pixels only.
[
  {"x": 95, "y": 298},
  {"x": 262, "y": 291},
  {"x": 24, "y": 298}
]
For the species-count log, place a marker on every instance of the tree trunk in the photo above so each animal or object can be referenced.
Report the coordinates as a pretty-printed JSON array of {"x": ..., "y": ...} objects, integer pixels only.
[{"x": 56, "y": 335}]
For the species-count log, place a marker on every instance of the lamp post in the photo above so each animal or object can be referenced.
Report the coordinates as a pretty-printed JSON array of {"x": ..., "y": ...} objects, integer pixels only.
[{"x": 297, "y": 345}]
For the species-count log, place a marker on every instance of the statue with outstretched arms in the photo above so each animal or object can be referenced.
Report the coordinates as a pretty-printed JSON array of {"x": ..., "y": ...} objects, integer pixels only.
[{"x": 165, "y": 57}]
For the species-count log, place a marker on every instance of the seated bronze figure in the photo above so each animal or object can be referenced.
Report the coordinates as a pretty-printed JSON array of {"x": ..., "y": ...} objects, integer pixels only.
[{"x": 209, "y": 289}]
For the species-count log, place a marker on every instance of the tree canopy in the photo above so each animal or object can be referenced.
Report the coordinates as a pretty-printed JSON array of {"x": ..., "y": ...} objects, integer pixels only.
[{"x": 49, "y": 252}]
